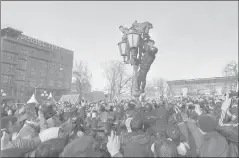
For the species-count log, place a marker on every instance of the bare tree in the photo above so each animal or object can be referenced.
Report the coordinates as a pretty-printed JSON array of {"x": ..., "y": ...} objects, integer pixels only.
[
  {"x": 160, "y": 85},
  {"x": 115, "y": 73},
  {"x": 231, "y": 69},
  {"x": 82, "y": 76}
]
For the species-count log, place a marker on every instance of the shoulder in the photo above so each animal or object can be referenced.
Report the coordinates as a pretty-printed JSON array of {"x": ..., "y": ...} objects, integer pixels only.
[{"x": 216, "y": 143}]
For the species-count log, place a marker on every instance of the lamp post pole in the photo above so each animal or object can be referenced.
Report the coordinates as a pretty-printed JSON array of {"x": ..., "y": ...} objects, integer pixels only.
[{"x": 35, "y": 87}]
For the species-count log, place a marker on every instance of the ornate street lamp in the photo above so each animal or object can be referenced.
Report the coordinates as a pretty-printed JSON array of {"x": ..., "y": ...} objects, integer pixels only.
[
  {"x": 44, "y": 94},
  {"x": 2, "y": 95},
  {"x": 138, "y": 50}
]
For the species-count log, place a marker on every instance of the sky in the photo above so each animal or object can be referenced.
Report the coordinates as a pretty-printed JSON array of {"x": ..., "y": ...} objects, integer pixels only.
[{"x": 195, "y": 39}]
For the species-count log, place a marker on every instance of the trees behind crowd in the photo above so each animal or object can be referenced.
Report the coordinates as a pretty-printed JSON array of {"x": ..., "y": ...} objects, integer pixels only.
[
  {"x": 82, "y": 76},
  {"x": 157, "y": 87},
  {"x": 231, "y": 69},
  {"x": 119, "y": 81}
]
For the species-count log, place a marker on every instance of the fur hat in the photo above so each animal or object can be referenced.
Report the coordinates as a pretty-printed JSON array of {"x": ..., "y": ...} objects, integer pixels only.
[{"x": 207, "y": 122}]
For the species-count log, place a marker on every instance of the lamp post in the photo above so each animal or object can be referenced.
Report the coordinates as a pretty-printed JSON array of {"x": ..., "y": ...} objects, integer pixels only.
[
  {"x": 44, "y": 95},
  {"x": 35, "y": 87},
  {"x": 138, "y": 49},
  {"x": 2, "y": 94},
  {"x": 132, "y": 44}
]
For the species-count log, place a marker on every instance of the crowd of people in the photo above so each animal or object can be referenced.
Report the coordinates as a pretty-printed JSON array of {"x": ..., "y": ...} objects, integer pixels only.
[{"x": 192, "y": 126}]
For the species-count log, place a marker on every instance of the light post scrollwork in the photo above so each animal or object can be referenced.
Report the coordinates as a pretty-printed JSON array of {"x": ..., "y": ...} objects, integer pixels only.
[{"x": 137, "y": 49}]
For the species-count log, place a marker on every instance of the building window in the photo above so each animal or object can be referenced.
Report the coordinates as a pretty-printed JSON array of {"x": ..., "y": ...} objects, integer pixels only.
[
  {"x": 6, "y": 79},
  {"x": 59, "y": 84},
  {"x": 20, "y": 91},
  {"x": 9, "y": 56},
  {"x": 42, "y": 81},
  {"x": 43, "y": 73},
  {"x": 67, "y": 85},
  {"x": 7, "y": 68},
  {"x": 53, "y": 65},
  {"x": 31, "y": 81},
  {"x": 24, "y": 54},
  {"x": 43, "y": 64},
  {"x": 22, "y": 64},
  {"x": 21, "y": 76},
  {"x": 33, "y": 71},
  {"x": 60, "y": 74},
  {"x": 51, "y": 83}
]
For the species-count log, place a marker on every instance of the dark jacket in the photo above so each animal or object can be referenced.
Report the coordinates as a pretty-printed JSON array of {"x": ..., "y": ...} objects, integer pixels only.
[{"x": 137, "y": 145}]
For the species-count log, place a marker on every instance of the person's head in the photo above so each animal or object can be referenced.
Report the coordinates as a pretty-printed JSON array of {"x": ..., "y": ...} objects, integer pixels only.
[
  {"x": 50, "y": 148},
  {"x": 6, "y": 108},
  {"x": 173, "y": 132},
  {"x": 164, "y": 148},
  {"x": 121, "y": 28},
  {"x": 207, "y": 123},
  {"x": 81, "y": 147},
  {"x": 136, "y": 123},
  {"x": 7, "y": 124}
]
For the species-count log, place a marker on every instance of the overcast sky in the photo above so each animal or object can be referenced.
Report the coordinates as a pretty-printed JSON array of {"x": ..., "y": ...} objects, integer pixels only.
[{"x": 195, "y": 39}]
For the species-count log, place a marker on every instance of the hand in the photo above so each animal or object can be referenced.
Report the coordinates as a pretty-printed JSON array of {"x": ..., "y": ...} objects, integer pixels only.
[
  {"x": 40, "y": 114},
  {"x": 182, "y": 149},
  {"x": 93, "y": 115},
  {"x": 4, "y": 139},
  {"x": 113, "y": 144}
]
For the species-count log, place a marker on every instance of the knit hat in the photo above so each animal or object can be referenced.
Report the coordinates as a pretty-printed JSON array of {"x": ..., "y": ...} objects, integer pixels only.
[{"x": 207, "y": 122}]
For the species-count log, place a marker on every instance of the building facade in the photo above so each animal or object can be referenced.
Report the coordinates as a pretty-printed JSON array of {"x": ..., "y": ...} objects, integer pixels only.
[
  {"x": 27, "y": 63},
  {"x": 216, "y": 85}
]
